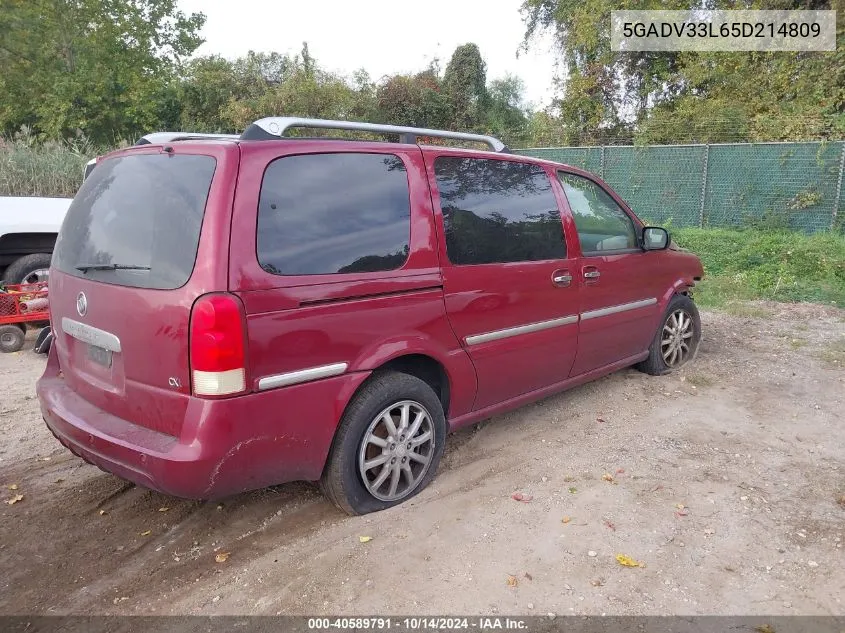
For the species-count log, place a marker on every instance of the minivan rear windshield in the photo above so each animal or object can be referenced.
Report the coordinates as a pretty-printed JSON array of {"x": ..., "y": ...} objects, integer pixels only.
[{"x": 136, "y": 221}]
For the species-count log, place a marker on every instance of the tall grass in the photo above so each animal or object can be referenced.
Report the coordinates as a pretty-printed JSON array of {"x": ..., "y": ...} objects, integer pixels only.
[
  {"x": 33, "y": 168},
  {"x": 759, "y": 264}
]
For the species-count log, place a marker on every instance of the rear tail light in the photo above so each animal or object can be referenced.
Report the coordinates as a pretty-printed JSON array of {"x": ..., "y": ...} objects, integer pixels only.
[{"x": 218, "y": 346}]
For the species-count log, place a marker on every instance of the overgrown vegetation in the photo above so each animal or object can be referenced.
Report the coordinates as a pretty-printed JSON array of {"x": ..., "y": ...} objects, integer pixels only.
[
  {"x": 50, "y": 168},
  {"x": 611, "y": 97},
  {"x": 778, "y": 265},
  {"x": 116, "y": 69}
]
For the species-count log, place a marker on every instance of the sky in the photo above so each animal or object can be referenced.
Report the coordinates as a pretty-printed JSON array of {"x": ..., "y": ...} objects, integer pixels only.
[{"x": 384, "y": 37}]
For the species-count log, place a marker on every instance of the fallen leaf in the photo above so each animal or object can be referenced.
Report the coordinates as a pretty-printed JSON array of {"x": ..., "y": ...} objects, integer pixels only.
[
  {"x": 529, "y": 576},
  {"x": 221, "y": 557},
  {"x": 365, "y": 539},
  {"x": 163, "y": 509},
  {"x": 102, "y": 512},
  {"x": 681, "y": 513},
  {"x": 512, "y": 581},
  {"x": 566, "y": 519},
  {"x": 12, "y": 486},
  {"x": 146, "y": 532},
  {"x": 600, "y": 420},
  {"x": 610, "y": 525},
  {"x": 680, "y": 506},
  {"x": 14, "y": 499},
  {"x": 841, "y": 500},
  {"x": 766, "y": 628},
  {"x": 607, "y": 477},
  {"x": 59, "y": 480},
  {"x": 572, "y": 490},
  {"x": 627, "y": 561},
  {"x": 518, "y": 496}
]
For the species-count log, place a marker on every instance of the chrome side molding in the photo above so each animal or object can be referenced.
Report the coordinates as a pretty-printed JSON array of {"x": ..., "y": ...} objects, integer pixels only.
[
  {"x": 593, "y": 314},
  {"x": 495, "y": 335},
  {"x": 486, "y": 337},
  {"x": 301, "y": 375},
  {"x": 91, "y": 335}
]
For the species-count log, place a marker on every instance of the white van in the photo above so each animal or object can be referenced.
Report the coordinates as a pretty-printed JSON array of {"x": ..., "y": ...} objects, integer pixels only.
[{"x": 28, "y": 230}]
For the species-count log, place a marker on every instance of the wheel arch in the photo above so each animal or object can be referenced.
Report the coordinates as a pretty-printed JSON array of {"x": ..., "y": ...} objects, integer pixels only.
[
  {"x": 27, "y": 243},
  {"x": 426, "y": 368},
  {"x": 681, "y": 286},
  {"x": 449, "y": 372}
]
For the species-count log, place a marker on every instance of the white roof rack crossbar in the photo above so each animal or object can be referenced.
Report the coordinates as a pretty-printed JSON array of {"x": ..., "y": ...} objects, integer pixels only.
[
  {"x": 277, "y": 126},
  {"x": 168, "y": 137}
]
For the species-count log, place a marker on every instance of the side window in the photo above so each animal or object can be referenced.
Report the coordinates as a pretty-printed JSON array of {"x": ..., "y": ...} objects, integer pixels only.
[
  {"x": 498, "y": 211},
  {"x": 333, "y": 213},
  {"x": 602, "y": 224}
]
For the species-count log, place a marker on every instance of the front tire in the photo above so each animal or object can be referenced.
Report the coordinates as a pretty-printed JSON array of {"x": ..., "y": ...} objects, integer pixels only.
[
  {"x": 677, "y": 338},
  {"x": 388, "y": 444}
]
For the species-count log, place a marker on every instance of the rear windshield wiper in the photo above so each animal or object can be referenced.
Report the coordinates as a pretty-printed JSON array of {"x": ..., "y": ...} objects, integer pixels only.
[{"x": 86, "y": 267}]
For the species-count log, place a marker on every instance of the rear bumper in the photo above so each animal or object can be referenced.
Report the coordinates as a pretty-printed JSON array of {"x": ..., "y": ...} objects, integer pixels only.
[{"x": 226, "y": 446}]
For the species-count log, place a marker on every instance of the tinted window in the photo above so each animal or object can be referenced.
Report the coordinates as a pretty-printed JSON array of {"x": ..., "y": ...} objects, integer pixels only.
[
  {"x": 602, "y": 224},
  {"x": 334, "y": 213},
  {"x": 498, "y": 211},
  {"x": 143, "y": 212}
]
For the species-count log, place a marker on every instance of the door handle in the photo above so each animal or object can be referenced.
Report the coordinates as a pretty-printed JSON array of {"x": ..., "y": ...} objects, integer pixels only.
[
  {"x": 592, "y": 274},
  {"x": 561, "y": 278}
]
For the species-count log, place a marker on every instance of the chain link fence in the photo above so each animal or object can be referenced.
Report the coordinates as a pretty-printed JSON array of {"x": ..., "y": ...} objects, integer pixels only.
[{"x": 777, "y": 185}]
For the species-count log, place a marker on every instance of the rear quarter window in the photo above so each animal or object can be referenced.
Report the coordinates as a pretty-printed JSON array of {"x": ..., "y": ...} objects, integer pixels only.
[
  {"x": 136, "y": 221},
  {"x": 334, "y": 213}
]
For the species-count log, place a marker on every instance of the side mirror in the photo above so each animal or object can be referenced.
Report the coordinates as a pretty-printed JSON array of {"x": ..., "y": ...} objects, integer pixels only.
[{"x": 655, "y": 238}]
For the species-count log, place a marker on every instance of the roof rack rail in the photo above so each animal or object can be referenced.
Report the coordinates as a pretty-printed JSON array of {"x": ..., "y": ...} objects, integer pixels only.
[
  {"x": 168, "y": 137},
  {"x": 276, "y": 126}
]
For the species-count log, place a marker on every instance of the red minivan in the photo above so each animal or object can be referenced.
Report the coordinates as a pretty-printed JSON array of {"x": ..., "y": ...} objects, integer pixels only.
[{"x": 235, "y": 312}]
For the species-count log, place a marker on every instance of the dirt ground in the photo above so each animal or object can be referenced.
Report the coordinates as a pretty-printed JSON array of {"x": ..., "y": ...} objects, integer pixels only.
[{"x": 727, "y": 485}]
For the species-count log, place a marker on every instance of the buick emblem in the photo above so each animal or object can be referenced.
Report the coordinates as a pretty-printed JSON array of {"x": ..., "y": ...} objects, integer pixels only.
[{"x": 82, "y": 304}]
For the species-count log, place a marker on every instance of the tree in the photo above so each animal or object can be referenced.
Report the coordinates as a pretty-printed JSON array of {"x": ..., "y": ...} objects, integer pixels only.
[
  {"x": 465, "y": 84},
  {"x": 101, "y": 66},
  {"x": 205, "y": 92},
  {"x": 294, "y": 86},
  {"x": 688, "y": 97},
  {"x": 416, "y": 100},
  {"x": 505, "y": 114}
]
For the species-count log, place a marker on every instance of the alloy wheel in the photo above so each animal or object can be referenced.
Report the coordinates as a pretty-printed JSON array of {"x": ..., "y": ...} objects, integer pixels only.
[
  {"x": 397, "y": 450},
  {"x": 36, "y": 276},
  {"x": 675, "y": 340}
]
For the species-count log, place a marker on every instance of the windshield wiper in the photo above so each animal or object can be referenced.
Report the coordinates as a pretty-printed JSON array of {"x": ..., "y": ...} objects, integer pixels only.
[{"x": 86, "y": 267}]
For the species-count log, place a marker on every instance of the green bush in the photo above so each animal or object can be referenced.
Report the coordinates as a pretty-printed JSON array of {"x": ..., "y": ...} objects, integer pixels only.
[{"x": 777, "y": 265}]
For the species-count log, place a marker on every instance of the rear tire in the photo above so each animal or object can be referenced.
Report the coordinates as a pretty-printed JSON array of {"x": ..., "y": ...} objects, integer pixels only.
[
  {"x": 388, "y": 444},
  {"x": 676, "y": 340},
  {"x": 28, "y": 269},
  {"x": 11, "y": 338}
]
